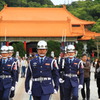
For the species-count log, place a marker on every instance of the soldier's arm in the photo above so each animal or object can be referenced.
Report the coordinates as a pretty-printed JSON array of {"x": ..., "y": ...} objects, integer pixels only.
[
  {"x": 13, "y": 73},
  {"x": 28, "y": 77},
  {"x": 55, "y": 74}
]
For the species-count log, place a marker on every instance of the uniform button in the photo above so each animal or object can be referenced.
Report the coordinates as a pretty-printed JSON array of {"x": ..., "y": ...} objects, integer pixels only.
[
  {"x": 41, "y": 66},
  {"x": 40, "y": 71},
  {"x": 3, "y": 71}
]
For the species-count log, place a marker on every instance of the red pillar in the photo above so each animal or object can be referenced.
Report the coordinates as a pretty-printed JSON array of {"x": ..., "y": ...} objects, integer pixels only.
[
  {"x": 30, "y": 50},
  {"x": 7, "y": 43},
  {"x": 25, "y": 45}
]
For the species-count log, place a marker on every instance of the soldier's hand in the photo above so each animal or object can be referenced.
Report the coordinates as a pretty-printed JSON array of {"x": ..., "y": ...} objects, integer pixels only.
[
  {"x": 55, "y": 91},
  {"x": 12, "y": 88},
  {"x": 29, "y": 92},
  {"x": 61, "y": 80},
  {"x": 80, "y": 86}
]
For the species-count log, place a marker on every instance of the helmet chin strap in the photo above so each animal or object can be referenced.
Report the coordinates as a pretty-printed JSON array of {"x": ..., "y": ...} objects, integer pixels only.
[
  {"x": 41, "y": 55},
  {"x": 9, "y": 56},
  {"x": 72, "y": 56},
  {"x": 4, "y": 57}
]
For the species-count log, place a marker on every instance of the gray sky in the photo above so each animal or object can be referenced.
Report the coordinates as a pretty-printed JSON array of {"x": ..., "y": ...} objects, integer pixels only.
[{"x": 57, "y": 2}]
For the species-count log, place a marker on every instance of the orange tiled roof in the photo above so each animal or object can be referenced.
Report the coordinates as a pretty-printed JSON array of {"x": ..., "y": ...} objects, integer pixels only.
[
  {"x": 39, "y": 22},
  {"x": 40, "y": 14},
  {"x": 36, "y": 29},
  {"x": 89, "y": 35}
]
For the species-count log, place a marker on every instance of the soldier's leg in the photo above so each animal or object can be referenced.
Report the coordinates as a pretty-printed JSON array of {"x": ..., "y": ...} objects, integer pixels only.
[
  {"x": 67, "y": 93},
  {"x": 45, "y": 97},
  {"x": 36, "y": 98},
  {"x": 1, "y": 94},
  {"x": 75, "y": 93},
  {"x": 61, "y": 91},
  {"x": 6, "y": 94},
  {"x": 12, "y": 94}
]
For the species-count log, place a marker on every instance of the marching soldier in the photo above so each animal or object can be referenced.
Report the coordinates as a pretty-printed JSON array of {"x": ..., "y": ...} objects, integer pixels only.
[
  {"x": 11, "y": 51},
  {"x": 72, "y": 65},
  {"x": 43, "y": 70},
  {"x": 61, "y": 73},
  {"x": 7, "y": 74}
]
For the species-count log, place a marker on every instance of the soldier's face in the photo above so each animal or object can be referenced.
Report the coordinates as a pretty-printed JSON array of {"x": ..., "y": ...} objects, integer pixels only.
[
  {"x": 10, "y": 54},
  {"x": 42, "y": 52},
  {"x": 71, "y": 54},
  {"x": 4, "y": 54}
]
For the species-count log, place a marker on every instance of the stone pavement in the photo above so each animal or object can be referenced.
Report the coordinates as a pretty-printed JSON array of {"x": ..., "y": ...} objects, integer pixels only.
[{"x": 21, "y": 95}]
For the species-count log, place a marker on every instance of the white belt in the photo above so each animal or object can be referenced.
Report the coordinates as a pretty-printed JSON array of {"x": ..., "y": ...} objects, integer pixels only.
[
  {"x": 41, "y": 79},
  {"x": 70, "y": 75},
  {"x": 5, "y": 76}
]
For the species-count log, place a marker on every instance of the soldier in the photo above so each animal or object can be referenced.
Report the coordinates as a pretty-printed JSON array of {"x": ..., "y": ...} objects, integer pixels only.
[
  {"x": 42, "y": 70},
  {"x": 72, "y": 65},
  {"x": 61, "y": 73},
  {"x": 7, "y": 74},
  {"x": 11, "y": 51}
]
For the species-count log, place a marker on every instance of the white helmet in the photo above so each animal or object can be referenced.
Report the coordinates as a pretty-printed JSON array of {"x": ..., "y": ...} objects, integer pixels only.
[
  {"x": 10, "y": 49},
  {"x": 42, "y": 45},
  {"x": 70, "y": 48},
  {"x": 4, "y": 49}
]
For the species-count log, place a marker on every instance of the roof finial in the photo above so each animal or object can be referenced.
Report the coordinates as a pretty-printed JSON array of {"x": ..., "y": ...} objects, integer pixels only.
[
  {"x": 5, "y": 5},
  {"x": 64, "y": 6}
]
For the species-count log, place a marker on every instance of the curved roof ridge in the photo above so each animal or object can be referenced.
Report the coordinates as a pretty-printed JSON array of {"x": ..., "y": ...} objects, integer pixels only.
[
  {"x": 92, "y": 22},
  {"x": 5, "y": 6}
]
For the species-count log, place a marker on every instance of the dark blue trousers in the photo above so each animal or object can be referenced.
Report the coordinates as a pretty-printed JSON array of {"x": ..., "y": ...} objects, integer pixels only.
[
  {"x": 4, "y": 94},
  {"x": 43, "y": 97},
  {"x": 71, "y": 93},
  {"x": 62, "y": 91}
]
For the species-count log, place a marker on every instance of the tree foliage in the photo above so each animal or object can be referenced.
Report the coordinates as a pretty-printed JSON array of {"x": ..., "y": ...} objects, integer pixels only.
[
  {"x": 19, "y": 47},
  {"x": 53, "y": 46}
]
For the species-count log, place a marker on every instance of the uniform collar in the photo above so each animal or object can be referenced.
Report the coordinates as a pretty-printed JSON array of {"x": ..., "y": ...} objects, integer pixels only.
[
  {"x": 71, "y": 60},
  {"x": 5, "y": 60},
  {"x": 10, "y": 58},
  {"x": 42, "y": 57}
]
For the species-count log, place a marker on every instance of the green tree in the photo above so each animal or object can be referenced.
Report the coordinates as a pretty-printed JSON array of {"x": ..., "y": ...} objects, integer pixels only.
[
  {"x": 96, "y": 27},
  {"x": 53, "y": 46},
  {"x": 79, "y": 48},
  {"x": 33, "y": 4},
  {"x": 2, "y": 3},
  {"x": 91, "y": 46},
  {"x": 19, "y": 47}
]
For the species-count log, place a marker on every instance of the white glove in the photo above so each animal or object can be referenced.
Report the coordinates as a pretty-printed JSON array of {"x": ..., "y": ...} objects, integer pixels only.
[
  {"x": 12, "y": 88},
  {"x": 61, "y": 80},
  {"x": 29, "y": 92},
  {"x": 80, "y": 86},
  {"x": 55, "y": 91},
  {"x": 98, "y": 70}
]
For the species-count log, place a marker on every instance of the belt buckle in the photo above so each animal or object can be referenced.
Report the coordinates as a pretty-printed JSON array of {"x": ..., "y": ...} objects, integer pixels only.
[
  {"x": 41, "y": 79},
  {"x": 70, "y": 75},
  {"x": 3, "y": 76}
]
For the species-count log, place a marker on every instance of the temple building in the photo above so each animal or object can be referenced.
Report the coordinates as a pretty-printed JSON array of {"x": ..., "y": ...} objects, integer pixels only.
[{"x": 30, "y": 25}]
